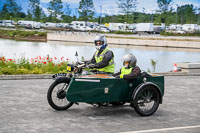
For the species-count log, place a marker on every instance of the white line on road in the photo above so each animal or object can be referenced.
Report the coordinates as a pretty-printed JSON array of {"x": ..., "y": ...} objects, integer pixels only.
[{"x": 163, "y": 129}]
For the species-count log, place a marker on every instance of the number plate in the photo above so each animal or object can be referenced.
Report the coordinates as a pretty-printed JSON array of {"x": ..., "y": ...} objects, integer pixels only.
[
  {"x": 59, "y": 75},
  {"x": 69, "y": 68}
]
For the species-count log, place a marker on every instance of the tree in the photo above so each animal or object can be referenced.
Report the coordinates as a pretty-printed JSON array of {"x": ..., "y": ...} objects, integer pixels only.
[
  {"x": 198, "y": 21},
  {"x": 55, "y": 9},
  {"x": 164, "y": 6},
  {"x": 127, "y": 7},
  {"x": 21, "y": 15},
  {"x": 67, "y": 12},
  {"x": 11, "y": 8},
  {"x": 44, "y": 18},
  {"x": 86, "y": 9},
  {"x": 186, "y": 14},
  {"x": 29, "y": 15},
  {"x": 35, "y": 9},
  {"x": 4, "y": 11}
]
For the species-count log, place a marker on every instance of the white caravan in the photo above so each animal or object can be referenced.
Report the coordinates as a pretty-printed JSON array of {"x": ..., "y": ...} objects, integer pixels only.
[
  {"x": 29, "y": 24},
  {"x": 144, "y": 28}
]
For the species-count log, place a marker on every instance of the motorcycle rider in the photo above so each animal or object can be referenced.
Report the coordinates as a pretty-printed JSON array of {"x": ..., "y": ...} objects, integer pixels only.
[
  {"x": 129, "y": 70},
  {"x": 103, "y": 58}
]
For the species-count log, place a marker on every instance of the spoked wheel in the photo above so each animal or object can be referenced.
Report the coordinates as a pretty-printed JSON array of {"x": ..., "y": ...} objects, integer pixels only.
[
  {"x": 146, "y": 101},
  {"x": 56, "y": 95}
]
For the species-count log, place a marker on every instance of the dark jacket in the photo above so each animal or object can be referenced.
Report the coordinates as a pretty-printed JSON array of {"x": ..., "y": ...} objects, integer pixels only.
[{"x": 108, "y": 56}]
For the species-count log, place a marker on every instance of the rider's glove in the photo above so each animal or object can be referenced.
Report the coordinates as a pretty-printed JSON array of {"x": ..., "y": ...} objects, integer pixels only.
[
  {"x": 91, "y": 65},
  {"x": 121, "y": 76},
  {"x": 118, "y": 76}
]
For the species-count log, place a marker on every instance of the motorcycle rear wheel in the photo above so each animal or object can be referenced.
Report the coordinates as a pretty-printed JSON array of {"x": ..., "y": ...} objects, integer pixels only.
[{"x": 56, "y": 95}]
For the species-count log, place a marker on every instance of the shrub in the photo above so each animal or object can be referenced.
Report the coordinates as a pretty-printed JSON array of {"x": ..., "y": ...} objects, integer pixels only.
[
  {"x": 36, "y": 71},
  {"x": 8, "y": 71},
  {"x": 36, "y": 65},
  {"x": 123, "y": 32},
  {"x": 1, "y": 72},
  {"x": 42, "y": 34},
  {"x": 24, "y": 63},
  {"x": 11, "y": 64},
  {"x": 22, "y": 71},
  {"x": 196, "y": 33}
]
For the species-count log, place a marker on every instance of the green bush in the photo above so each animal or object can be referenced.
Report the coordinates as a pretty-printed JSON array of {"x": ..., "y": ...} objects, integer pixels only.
[
  {"x": 8, "y": 71},
  {"x": 49, "y": 68},
  {"x": 36, "y": 71},
  {"x": 19, "y": 33},
  {"x": 22, "y": 71},
  {"x": 197, "y": 33},
  {"x": 42, "y": 34},
  {"x": 1, "y": 72},
  {"x": 11, "y": 64},
  {"x": 23, "y": 66},
  {"x": 123, "y": 32},
  {"x": 2, "y": 64},
  {"x": 24, "y": 63}
]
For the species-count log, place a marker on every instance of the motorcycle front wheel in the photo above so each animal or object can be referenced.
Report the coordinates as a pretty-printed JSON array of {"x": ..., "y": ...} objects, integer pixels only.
[{"x": 56, "y": 95}]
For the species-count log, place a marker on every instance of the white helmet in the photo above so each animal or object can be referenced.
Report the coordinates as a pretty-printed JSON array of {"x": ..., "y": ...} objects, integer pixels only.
[
  {"x": 131, "y": 59},
  {"x": 100, "y": 39}
]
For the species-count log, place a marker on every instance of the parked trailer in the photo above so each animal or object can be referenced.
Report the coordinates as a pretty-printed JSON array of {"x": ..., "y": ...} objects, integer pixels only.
[
  {"x": 117, "y": 26},
  {"x": 7, "y": 23},
  {"x": 29, "y": 24},
  {"x": 82, "y": 25},
  {"x": 144, "y": 28},
  {"x": 50, "y": 25},
  {"x": 190, "y": 27},
  {"x": 158, "y": 28}
]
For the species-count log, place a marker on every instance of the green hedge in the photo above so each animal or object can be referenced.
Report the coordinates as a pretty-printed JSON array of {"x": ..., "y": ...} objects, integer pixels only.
[
  {"x": 197, "y": 33},
  {"x": 22, "y": 34}
]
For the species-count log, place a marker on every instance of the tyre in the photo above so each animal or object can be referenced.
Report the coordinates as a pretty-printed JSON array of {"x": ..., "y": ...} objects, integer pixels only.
[
  {"x": 146, "y": 100},
  {"x": 56, "y": 95}
]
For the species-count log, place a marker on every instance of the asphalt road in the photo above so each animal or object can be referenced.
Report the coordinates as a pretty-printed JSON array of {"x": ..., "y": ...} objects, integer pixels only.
[{"x": 24, "y": 109}]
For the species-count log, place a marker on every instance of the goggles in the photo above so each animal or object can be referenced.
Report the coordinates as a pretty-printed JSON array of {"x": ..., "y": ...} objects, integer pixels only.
[{"x": 97, "y": 43}]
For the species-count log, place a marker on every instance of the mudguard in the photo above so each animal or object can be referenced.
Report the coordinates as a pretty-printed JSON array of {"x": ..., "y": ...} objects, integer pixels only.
[{"x": 147, "y": 84}]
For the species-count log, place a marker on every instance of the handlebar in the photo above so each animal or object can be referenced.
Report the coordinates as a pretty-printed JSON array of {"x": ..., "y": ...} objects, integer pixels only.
[{"x": 81, "y": 66}]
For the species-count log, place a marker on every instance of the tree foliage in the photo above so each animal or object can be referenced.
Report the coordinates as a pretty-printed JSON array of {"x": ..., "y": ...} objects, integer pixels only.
[
  {"x": 10, "y": 9},
  {"x": 67, "y": 12},
  {"x": 186, "y": 14},
  {"x": 55, "y": 9},
  {"x": 127, "y": 7},
  {"x": 164, "y": 5},
  {"x": 35, "y": 9},
  {"x": 86, "y": 9}
]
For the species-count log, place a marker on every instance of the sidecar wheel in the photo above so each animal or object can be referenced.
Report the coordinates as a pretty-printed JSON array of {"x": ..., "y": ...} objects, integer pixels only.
[
  {"x": 56, "y": 95},
  {"x": 146, "y": 100}
]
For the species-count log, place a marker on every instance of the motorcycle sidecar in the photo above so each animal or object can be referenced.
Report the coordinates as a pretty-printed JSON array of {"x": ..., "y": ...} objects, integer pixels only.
[{"x": 144, "y": 93}]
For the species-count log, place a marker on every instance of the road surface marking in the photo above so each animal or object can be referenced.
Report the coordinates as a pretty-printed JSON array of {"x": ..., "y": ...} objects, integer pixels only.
[{"x": 163, "y": 129}]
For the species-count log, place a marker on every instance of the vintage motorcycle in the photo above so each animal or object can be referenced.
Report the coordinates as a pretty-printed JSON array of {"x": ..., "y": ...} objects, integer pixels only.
[{"x": 144, "y": 94}]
